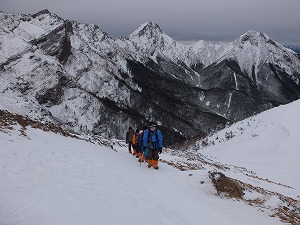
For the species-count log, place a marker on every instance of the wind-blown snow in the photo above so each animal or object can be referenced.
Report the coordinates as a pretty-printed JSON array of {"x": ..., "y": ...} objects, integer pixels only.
[{"x": 51, "y": 179}]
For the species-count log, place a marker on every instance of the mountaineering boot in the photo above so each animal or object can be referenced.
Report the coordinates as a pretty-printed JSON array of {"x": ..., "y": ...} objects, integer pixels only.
[
  {"x": 149, "y": 163},
  {"x": 155, "y": 164},
  {"x": 138, "y": 155},
  {"x": 142, "y": 158}
]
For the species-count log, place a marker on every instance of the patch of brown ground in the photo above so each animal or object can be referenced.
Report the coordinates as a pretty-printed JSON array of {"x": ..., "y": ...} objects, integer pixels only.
[
  {"x": 226, "y": 185},
  {"x": 8, "y": 120},
  {"x": 183, "y": 167}
]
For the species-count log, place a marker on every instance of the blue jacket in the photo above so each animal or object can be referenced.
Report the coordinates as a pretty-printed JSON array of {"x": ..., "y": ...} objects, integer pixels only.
[{"x": 156, "y": 140}]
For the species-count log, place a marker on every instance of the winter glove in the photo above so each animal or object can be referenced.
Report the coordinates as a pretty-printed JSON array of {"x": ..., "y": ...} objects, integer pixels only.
[{"x": 159, "y": 150}]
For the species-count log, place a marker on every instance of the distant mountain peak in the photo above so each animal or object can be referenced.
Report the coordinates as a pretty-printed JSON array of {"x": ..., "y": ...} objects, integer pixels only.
[
  {"x": 149, "y": 25},
  {"x": 148, "y": 28},
  {"x": 45, "y": 13},
  {"x": 42, "y": 12},
  {"x": 253, "y": 37},
  {"x": 149, "y": 39}
]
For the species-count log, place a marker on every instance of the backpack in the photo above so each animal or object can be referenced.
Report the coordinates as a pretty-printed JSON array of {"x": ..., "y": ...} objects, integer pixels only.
[
  {"x": 135, "y": 139},
  {"x": 156, "y": 137}
]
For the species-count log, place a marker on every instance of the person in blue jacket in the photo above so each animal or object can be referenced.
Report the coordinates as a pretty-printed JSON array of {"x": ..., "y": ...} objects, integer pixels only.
[{"x": 153, "y": 140}]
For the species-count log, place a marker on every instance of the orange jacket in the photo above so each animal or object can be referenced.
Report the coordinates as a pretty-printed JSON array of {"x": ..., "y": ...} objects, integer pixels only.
[{"x": 135, "y": 139}]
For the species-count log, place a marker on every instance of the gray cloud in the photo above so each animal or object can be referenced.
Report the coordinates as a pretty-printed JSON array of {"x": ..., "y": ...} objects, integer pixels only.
[{"x": 184, "y": 21}]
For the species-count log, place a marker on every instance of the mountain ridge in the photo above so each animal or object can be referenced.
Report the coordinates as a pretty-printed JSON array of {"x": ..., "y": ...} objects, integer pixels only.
[{"x": 76, "y": 75}]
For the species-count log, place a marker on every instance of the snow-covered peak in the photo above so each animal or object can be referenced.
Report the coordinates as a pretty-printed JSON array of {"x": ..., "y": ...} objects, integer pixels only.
[
  {"x": 150, "y": 41},
  {"x": 149, "y": 29},
  {"x": 253, "y": 49},
  {"x": 29, "y": 27},
  {"x": 253, "y": 37}
]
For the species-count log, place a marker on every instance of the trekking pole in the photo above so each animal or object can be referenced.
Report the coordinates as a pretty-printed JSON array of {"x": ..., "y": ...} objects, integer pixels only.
[{"x": 140, "y": 159}]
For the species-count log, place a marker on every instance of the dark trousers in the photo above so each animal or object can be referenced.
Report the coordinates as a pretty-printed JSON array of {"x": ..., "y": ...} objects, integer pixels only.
[
  {"x": 153, "y": 154},
  {"x": 129, "y": 145},
  {"x": 136, "y": 148}
]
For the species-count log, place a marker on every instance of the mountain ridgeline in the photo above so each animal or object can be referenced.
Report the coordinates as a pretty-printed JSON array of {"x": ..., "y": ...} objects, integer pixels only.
[{"x": 75, "y": 75}]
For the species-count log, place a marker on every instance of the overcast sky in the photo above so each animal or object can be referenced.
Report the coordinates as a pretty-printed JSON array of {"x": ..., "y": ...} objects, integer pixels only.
[{"x": 182, "y": 20}]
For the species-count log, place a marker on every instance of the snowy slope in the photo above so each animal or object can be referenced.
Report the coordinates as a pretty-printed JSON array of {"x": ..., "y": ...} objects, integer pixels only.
[
  {"x": 51, "y": 179},
  {"x": 266, "y": 144}
]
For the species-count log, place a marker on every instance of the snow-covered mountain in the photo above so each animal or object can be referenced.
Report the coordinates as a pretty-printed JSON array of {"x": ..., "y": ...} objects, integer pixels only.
[
  {"x": 77, "y": 76},
  {"x": 50, "y": 176}
]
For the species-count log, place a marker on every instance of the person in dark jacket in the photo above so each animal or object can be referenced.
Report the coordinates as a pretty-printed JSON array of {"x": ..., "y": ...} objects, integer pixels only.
[
  {"x": 153, "y": 140},
  {"x": 129, "y": 135}
]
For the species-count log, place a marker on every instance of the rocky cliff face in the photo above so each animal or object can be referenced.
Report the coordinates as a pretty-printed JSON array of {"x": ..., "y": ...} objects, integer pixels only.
[{"x": 77, "y": 76}]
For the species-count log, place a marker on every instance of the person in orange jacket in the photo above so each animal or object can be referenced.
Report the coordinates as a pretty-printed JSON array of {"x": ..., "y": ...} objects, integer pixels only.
[{"x": 135, "y": 144}]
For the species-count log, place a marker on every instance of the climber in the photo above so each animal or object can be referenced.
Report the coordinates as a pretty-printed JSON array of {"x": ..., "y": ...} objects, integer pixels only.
[
  {"x": 153, "y": 140},
  {"x": 135, "y": 144},
  {"x": 129, "y": 135},
  {"x": 144, "y": 152}
]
